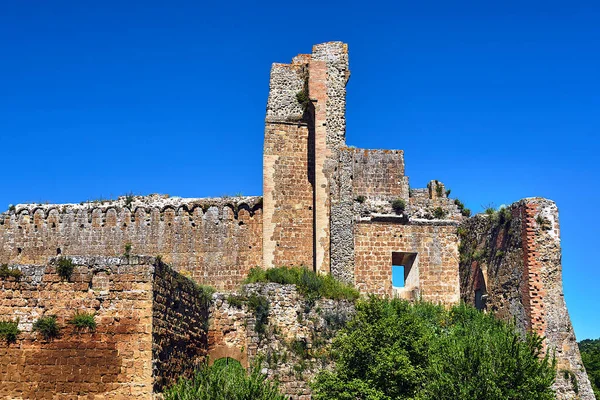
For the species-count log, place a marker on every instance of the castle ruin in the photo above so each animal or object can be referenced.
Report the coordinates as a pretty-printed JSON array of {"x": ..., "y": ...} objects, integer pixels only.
[{"x": 335, "y": 209}]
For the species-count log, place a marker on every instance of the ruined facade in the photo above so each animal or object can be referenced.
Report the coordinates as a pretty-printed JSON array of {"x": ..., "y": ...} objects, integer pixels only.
[{"x": 336, "y": 209}]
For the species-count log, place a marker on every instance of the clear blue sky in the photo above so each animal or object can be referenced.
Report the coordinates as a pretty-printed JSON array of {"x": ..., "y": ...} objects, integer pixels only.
[{"x": 499, "y": 100}]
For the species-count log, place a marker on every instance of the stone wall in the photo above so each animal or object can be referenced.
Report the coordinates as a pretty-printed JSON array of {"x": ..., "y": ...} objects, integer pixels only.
[
  {"x": 424, "y": 202},
  {"x": 288, "y": 192},
  {"x": 511, "y": 265},
  {"x": 295, "y": 339},
  {"x": 214, "y": 241},
  {"x": 434, "y": 246},
  {"x": 378, "y": 174},
  {"x": 115, "y": 361},
  {"x": 151, "y": 328},
  {"x": 288, "y": 169},
  {"x": 179, "y": 326}
]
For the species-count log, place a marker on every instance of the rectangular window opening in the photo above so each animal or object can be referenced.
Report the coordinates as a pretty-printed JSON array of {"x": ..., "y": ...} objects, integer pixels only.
[
  {"x": 405, "y": 274},
  {"x": 398, "y": 276}
]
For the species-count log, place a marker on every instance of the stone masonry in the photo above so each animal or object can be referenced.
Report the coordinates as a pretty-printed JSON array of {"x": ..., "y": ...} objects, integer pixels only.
[
  {"x": 326, "y": 206},
  {"x": 141, "y": 341}
]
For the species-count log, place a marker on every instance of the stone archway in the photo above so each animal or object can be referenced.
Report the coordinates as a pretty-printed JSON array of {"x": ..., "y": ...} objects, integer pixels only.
[{"x": 222, "y": 351}]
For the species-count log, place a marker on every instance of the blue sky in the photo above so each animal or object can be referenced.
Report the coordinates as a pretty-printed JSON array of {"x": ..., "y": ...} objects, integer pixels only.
[{"x": 499, "y": 100}]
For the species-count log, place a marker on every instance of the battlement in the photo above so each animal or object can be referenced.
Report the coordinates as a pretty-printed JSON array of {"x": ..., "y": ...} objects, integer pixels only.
[{"x": 214, "y": 240}]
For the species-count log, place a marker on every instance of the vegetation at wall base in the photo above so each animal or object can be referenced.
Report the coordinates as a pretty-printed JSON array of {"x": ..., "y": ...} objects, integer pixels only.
[
  {"x": 226, "y": 379},
  {"x": 312, "y": 285},
  {"x": 47, "y": 327},
  {"x": 395, "y": 350},
  {"x": 9, "y": 330},
  {"x": 590, "y": 354}
]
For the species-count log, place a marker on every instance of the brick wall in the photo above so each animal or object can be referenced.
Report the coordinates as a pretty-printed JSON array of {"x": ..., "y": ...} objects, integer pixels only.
[
  {"x": 114, "y": 361},
  {"x": 288, "y": 192},
  {"x": 179, "y": 326},
  {"x": 517, "y": 255},
  {"x": 435, "y": 243},
  {"x": 215, "y": 241}
]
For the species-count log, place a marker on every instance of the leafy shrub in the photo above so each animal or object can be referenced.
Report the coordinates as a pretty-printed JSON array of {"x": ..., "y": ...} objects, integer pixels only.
[
  {"x": 7, "y": 272},
  {"x": 47, "y": 326},
  {"x": 260, "y": 306},
  {"x": 439, "y": 213},
  {"x": 590, "y": 354},
  {"x": 309, "y": 283},
  {"x": 448, "y": 191},
  {"x": 9, "y": 330},
  {"x": 398, "y": 205},
  {"x": 303, "y": 98},
  {"x": 225, "y": 381},
  {"x": 206, "y": 292},
  {"x": 83, "y": 320},
  {"x": 127, "y": 252},
  {"x": 504, "y": 215},
  {"x": 235, "y": 301},
  {"x": 465, "y": 212},
  {"x": 395, "y": 350},
  {"x": 12, "y": 208},
  {"x": 65, "y": 268},
  {"x": 543, "y": 223},
  {"x": 360, "y": 199},
  {"x": 439, "y": 189},
  {"x": 129, "y": 198}
]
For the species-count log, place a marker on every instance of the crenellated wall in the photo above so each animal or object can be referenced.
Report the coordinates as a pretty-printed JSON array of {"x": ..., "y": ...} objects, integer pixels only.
[
  {"x": 214, "y": 241},
  {"x": 510, "y": 264}
]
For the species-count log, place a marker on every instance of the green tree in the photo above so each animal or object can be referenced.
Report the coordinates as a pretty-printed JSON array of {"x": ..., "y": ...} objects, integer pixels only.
[
  {"x": 395, "y": 350},
  {"x": 590, "y": 354}
]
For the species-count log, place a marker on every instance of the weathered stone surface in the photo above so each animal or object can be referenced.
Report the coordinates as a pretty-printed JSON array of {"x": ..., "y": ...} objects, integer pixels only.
[
  {"x": 513, "y": 259},
  {"x": 215, "y": 241},
  {"x": 135, "y": 348},
  {"x": 291, "y": 322}
]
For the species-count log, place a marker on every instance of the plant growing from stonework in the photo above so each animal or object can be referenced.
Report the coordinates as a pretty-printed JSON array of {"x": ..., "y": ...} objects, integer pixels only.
[
  {"x": 127, "y": 252},
  {"x": 260, "y": 307},
  {"x": 360, "y": 199},
  {"x": 12, "y": 208},
  {"x": 303, "y": 99},
  {"x": 7, "y": 272},
  {"x": 64, "y": 268},
  {"x": 47, "y": 327},
  {"x": 439, "y": 189},
  {"x": 83, "y": 321},
  {"x": 439, "y": 213},
  {"x": 398, "y": 205},
  {"x": 312, "y": 285},
  {"x": 129, "y": 198},
  {"x": 9, "y": 330}
]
